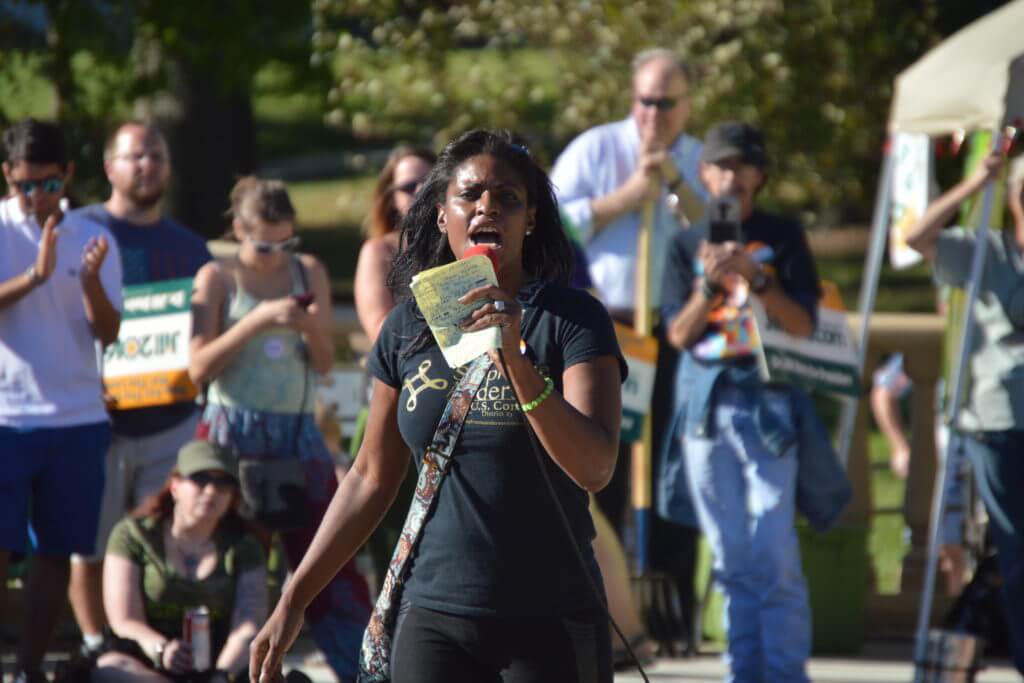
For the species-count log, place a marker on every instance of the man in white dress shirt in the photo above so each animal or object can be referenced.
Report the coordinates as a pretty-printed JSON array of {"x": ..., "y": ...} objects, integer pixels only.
[{"x": 603, "y": 178}]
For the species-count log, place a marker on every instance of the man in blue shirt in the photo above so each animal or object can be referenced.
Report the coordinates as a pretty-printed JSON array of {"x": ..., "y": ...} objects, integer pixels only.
[
  {"x": 146, "y": 440},
  {"x": 733, "y": 440}
]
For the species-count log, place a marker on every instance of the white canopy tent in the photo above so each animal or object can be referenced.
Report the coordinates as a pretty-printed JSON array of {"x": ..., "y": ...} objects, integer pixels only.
[{"x": 974, "y": 80}]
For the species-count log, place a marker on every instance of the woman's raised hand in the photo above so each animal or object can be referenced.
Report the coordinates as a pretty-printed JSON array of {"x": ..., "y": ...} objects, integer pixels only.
[{"x": 266, "y": 652}]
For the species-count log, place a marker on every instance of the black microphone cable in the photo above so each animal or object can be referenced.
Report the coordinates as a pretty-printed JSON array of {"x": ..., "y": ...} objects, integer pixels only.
[{"x": 538, "y": 452}]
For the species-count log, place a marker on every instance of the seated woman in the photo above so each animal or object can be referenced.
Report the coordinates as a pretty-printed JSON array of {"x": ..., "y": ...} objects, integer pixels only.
[{"x": 185, "y": 547}]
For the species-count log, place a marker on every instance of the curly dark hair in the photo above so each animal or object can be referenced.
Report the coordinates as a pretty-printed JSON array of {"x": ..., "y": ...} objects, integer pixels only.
[{"x": 547, "y": 254}]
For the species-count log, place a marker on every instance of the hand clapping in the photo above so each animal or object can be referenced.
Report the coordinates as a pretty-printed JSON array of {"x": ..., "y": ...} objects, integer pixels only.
[{"x": 92, "y": 257}]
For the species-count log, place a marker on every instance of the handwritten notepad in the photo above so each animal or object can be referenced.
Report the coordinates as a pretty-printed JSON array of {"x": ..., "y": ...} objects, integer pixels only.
[{"x": 437, "y": 293}]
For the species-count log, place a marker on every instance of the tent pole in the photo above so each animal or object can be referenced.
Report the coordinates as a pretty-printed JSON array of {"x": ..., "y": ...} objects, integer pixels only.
[
  {"x": 955, "y": 438},
  {"x": 868, "y": 293}
]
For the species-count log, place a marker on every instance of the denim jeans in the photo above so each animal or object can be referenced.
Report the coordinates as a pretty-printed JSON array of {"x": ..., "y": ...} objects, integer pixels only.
[
  {"x": 744, "y": 495},
  {"x": 998, "y": 461}
]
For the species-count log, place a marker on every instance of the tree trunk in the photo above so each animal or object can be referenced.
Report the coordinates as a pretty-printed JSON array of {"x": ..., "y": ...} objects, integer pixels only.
[{"x": 211, "y": 135}]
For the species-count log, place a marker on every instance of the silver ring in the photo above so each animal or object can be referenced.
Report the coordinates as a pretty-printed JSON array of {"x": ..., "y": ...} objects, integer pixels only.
[{"x": 499, "y": 306}]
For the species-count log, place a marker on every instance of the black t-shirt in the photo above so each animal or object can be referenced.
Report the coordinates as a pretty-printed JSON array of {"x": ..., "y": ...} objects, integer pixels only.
[
  {"x": 165, "y": 250},
  {"x": 787, "y": 256},
  {"x": 493, "y": 544}
]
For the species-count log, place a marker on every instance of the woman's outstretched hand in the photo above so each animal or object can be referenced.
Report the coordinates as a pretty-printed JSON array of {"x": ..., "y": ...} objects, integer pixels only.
[{"x": 267, "y": 650}]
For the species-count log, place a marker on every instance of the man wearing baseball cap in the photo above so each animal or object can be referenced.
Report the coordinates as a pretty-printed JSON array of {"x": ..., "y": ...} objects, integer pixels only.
[{"x": 728, "y": 461}]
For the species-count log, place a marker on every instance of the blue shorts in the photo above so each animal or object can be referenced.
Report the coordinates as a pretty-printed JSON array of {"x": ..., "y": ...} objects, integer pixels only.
[{"x": 59, "y": 472}]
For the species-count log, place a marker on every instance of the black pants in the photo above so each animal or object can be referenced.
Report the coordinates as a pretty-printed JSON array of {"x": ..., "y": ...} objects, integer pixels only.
[{"x": 433, "y": 646}]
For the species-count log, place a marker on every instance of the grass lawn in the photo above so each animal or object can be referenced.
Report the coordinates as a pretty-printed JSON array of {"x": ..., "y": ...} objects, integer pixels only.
[{"x": 887, "y": 543}]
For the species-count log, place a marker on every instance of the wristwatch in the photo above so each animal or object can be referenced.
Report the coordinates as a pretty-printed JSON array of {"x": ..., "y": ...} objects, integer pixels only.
[
  {"x": 33, "y": 277},
  {"x": 761, "y": 282}
]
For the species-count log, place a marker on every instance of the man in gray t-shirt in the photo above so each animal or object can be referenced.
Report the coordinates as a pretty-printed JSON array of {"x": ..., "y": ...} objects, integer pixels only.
[{"x": 992, "y": 418}]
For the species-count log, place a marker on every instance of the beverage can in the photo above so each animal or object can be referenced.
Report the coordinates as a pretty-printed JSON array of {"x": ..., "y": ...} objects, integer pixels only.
[{"x": 197, "y": 634}]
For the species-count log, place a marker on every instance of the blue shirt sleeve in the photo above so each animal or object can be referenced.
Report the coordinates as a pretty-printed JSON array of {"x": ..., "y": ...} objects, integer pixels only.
[{"x": 572, "y": 177}]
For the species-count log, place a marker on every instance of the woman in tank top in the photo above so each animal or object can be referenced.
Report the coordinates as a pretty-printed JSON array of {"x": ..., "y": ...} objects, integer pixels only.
[{"x": 262, "y": 334}]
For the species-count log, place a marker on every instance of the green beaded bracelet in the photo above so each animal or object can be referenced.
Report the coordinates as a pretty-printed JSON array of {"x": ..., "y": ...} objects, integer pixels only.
[{"x": 549, "y": 386}]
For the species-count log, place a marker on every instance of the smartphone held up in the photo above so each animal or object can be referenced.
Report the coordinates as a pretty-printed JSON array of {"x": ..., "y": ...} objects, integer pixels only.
[
  {"x": 724, "y": 220},
  {"x": 303, "y": 300}
]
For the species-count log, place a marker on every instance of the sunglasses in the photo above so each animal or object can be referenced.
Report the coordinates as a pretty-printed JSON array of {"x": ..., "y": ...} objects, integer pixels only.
[
  {"x": 218, "y": 479},
  {"x": 50, "y": 185},
  {"x": 660, "y": 103},
  {"x": 271, "y": 247},
  {"x": 410, "y": 187}
]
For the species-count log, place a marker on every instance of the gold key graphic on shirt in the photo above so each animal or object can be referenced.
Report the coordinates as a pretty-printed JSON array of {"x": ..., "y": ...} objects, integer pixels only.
[{"x": 426, "y": 383}]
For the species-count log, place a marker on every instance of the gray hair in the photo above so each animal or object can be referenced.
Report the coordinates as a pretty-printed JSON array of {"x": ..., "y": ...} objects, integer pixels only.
[{"x": 643, "y": 57}]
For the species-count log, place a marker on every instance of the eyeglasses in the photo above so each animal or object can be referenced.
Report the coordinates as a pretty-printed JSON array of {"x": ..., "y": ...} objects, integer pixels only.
[
  {"x": 661, "y": 103},
  {"x": 271, "y": 247},
  {"x": 137, "y": 157},
  {"x": 410, "y": 187},
  {"x": 205, "y": 478},
  {"x": 49, "y": 185}
]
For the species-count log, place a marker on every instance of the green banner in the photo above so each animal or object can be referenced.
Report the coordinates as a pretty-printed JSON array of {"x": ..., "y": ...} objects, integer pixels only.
[{"x": 158, "y": 298}]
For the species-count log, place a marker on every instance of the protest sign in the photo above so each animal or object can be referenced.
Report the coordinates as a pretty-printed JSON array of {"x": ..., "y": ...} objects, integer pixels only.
[
  {"x": 825, "y": 361},
  {"x": 641, "y": 353},
  {"x": 910, "y": 180},
  {"x": 148, "y": 364}
]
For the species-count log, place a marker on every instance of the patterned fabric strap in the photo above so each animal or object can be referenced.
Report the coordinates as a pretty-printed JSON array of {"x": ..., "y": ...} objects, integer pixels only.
[{"x": 375, "y": 657}]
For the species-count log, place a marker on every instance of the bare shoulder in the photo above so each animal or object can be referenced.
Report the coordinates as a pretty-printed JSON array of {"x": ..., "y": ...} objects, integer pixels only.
[
  {"x": 213, "y": 280},
  {"x": 383, "y": 247},
  {"x": 311, "y": 263}
]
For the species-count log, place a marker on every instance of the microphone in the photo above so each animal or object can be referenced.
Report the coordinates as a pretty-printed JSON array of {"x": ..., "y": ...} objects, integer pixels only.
[{"x": 482, "y": 250}]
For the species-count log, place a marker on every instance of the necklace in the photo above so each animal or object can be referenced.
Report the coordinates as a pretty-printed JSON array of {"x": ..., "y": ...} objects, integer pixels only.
[{"x": 189, "y": 559}]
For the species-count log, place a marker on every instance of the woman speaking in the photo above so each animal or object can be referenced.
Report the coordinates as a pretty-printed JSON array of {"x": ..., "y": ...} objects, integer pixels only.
[{"x": 494, "y": 588}]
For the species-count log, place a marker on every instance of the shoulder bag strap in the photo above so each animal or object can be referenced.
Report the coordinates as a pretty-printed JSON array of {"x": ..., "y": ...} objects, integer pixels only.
[
  {"x": 300, "y": 281},
  {"x": 374, "y": 660}
]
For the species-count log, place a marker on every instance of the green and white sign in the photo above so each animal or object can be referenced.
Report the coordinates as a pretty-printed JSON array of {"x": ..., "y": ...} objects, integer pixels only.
[
  {"x": 826, "y": 361},
  {"x": 641, "y": 354},
  {"x": 148, "y": 364}
]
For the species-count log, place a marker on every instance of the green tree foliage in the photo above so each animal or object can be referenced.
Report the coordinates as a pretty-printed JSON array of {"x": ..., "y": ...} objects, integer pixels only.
[
  {"x": 189, "y": 65},
  {"x": 815, "y": 74}
]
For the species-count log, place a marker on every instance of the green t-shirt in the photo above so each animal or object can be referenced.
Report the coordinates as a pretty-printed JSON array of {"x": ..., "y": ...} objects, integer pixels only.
[{"x": 167, "y": 595}]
